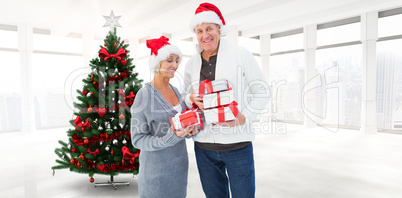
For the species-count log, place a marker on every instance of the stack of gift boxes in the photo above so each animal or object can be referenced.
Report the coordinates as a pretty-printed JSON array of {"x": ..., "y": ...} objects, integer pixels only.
[
  {"x": 219, "y": 106},
  {"x": 218, "y": 99}
]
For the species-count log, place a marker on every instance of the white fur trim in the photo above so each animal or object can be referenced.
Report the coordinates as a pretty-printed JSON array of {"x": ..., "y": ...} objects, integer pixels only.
[
  {"x": 163, "y": 53},
  {"x": 208, "y": 17}
]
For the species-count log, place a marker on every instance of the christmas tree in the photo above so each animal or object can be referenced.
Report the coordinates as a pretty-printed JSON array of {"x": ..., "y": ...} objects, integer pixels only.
[{"x": 100, "y": 141}]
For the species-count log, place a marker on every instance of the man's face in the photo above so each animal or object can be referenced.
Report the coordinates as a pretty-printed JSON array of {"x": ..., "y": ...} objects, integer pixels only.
[{"x": 208, "y": 36}]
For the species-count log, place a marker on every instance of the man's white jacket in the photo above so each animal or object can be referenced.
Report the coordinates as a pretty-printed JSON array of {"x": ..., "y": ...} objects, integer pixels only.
[{"x": 238, "y": 66}]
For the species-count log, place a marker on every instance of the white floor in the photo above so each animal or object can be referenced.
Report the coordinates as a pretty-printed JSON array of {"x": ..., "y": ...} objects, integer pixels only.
[{"x": 298, "y": 163}]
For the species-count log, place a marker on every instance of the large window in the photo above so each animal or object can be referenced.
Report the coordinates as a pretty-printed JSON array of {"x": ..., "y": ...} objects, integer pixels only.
[
  {"x": 286, "y": 74},
  {"x": 57, "y": 69},
  {"x": 253, "y": 45},
  {"x": 389, "y": 71},
  {"x": 339, "y": 92},
  {"x": 338, "y": 64},
  {"x": 8, "y": 39},
  {"x": 10, "y": 81},
  {"x": 10, "y": 91}
]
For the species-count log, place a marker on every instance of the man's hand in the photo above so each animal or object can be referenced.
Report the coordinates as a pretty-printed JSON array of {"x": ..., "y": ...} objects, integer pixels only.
[
  {"x": 240, "y": 120},
  {"x": 197, "y": 100}
]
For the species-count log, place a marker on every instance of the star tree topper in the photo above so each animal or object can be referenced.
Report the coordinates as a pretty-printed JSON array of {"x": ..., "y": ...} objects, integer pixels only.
[{"x": 112, "y": 21}]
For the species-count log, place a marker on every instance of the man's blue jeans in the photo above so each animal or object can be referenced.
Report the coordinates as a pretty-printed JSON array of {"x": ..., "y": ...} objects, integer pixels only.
[{"x": 239, "y": 165}]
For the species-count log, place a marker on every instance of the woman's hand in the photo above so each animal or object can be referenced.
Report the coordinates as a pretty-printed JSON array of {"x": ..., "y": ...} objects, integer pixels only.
[
  {"x": 193, "y": 132},
  {"x": 184, "y": 132},
  {"x": 197, "y": 100}
]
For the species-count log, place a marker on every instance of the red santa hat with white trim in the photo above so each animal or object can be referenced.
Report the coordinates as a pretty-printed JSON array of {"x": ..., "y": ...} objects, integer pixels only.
[
  {"x": 161, "y": 49},
  {"x": 209, "y": 13}
]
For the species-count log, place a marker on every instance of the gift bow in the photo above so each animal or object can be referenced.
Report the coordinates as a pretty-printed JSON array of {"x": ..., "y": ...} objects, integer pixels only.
[
  {"x": 128, "y": 155},
  {"x": 95, "y": 153},
  {"x": 118, "y": 56},
  {"x": 130, "y": 98},
  {"x": 78, "y": 123}
]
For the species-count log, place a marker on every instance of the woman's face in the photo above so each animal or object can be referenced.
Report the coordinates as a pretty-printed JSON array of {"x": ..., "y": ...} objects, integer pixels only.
[
  {"x": 208, "y": 36},
  {"x": 169, "y": 66}
]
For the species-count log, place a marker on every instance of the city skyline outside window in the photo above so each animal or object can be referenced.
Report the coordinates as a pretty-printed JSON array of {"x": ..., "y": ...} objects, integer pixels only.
[
  {"x": 286, "y": 75},
  {"x": 338, "y": 98}
]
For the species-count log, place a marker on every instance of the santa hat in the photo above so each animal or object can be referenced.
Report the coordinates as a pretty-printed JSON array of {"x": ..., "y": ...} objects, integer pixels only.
[
  {"x": 209, "y": 13},
  {"x": 161, "y": 49}
]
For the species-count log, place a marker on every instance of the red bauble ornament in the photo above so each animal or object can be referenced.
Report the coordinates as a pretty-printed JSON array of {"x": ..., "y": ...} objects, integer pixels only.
[
  {"x": 111, "y": 152},
  {"x": 73, "y": 150},
  {"x": 86, "y": 141},
  {"x": 78, "y": 164},
  {"x": 92, "y": 77},
  {"x": 115, "y": 45},
  {"x": 72, "y": 161},
  {"x": 104, "y": 45},
  {"x": 92, "y": 93},
  {"x": 94, "y": 83},
  {"x": 91, "y": 180}
]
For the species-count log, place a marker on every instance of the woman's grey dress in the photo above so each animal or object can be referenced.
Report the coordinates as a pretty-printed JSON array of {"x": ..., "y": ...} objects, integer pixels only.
[{"x": 163, "y": 158}]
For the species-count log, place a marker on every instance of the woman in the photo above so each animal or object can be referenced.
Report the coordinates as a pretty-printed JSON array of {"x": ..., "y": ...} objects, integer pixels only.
[{"x": 163, "y": 160}]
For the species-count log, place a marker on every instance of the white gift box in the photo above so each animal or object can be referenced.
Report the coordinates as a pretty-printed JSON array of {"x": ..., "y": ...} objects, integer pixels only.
[
  {"x": 208, "y": 87},
  {"x": 222, "y": 113},
  {"x": 218, "y": 99},
  {"x": 189, "y": 117}
]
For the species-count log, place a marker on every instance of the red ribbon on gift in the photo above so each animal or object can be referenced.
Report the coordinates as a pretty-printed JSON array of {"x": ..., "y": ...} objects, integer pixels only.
[
  {"x": 189, "y": 117},
  {"x": 95, "y": 153},
  {"x": 221, "y": 110},
  {"x": 210, "y": 89},
  {"x": 78, "y": 123},
  {"x": 128, "y": 155},
  {"x": 118, "y": 56},
  {"x": 201, "y": 88},
  {"x": 219, "y": 98}
]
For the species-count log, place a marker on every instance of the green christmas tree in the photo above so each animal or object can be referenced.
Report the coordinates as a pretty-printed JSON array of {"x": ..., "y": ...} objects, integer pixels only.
[{"x": 100, "y": 142}]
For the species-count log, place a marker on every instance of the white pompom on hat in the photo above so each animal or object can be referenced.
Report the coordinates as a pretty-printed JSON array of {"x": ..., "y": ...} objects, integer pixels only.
[
  {"x": 209, "y": 13},
  {"x": 161, "y": 49}
]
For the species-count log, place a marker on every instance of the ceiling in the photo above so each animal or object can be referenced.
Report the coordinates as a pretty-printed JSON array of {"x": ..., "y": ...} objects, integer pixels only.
[{"x": 141, "y": 18}]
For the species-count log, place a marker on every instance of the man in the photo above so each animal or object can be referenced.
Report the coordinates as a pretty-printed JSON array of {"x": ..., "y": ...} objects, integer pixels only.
[{"x": 224, "y": 152}]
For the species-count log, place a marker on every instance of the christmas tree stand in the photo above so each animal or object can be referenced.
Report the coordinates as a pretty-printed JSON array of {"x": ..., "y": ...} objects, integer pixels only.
[{"x": 111, "y": 183}]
